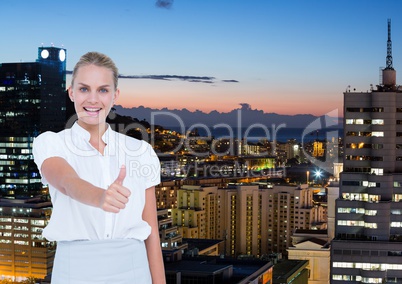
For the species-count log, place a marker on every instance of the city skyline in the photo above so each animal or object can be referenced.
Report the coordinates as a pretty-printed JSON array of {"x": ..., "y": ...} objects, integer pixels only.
[{"x": 285, "y": 57}]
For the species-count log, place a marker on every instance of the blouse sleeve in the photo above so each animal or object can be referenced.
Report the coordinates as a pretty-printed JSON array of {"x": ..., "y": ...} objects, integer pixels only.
[
  {"x": 154, "y": 164},
  {"x": 47, "y": 145}
]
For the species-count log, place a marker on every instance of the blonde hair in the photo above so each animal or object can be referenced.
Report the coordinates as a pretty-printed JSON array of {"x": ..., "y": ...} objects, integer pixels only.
[{"x": 97, "y": 59}]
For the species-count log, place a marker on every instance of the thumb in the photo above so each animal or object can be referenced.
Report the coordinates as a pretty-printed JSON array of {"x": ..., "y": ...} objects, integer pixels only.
[{"x": 122, "y": 175}]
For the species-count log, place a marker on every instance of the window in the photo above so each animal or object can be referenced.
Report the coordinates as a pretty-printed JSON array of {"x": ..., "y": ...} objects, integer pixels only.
[
  {"x": 376, "y": 171},
  {"x": 365, "y": 109},
  {"x": 377, "y": 134},
  {"x": 377, "y": 121},
  {"x": 351, "y": 183},
  {"x": 370, "y": 225}
]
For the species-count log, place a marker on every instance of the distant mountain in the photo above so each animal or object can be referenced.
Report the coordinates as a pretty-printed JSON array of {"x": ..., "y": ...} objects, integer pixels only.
[{"x": 242, "y": 117}]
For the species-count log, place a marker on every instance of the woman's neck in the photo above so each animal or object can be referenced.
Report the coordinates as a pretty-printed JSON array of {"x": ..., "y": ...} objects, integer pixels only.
[{"x": 96, "y": 132}]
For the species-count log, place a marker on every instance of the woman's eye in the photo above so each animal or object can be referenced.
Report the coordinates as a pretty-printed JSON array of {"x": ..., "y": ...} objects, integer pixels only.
[
  {"x": 103, "y": 90},
  {"x": 83, "y": 89}
]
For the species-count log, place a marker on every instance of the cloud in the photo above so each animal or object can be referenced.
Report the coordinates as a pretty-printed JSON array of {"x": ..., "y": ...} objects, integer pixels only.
[
  {"x": 192, "y": 79},
  {"x": 245, "y": 106},
  {"x": 196, "y": 79},
  {"x": 167, "y": 4}
]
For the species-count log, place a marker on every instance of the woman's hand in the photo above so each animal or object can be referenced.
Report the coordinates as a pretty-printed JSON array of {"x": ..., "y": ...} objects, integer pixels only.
[{"x": 116, "y": 196}]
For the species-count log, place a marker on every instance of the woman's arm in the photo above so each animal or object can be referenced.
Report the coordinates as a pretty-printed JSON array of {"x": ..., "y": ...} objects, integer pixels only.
[
  {"x": 63, "y": 177},
  {"x": 152, "y": 243}
]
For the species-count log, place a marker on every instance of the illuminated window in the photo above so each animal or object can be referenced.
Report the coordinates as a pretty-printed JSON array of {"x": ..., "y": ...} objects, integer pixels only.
[
  {"x": 370, "y": 225},
  {"x": 377, "y": 121},
  {"x": 343, "y": 264},
  {"x": 351, "y": 223},
  {"x": 376, "y": 171},
  {"x": 377, "y": 134}
]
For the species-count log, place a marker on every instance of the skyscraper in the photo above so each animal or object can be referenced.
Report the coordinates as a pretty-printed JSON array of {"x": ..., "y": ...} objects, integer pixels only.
[
  {"x": 32, "y": 100},
  {"x": 368, "y": 223}
]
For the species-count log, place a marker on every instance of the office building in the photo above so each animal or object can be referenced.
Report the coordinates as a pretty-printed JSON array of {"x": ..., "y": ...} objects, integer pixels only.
[
  {"x": 23, "y": 251},
  {"x": 368, "y": 245},
  {"x": 32, "y": 100}
]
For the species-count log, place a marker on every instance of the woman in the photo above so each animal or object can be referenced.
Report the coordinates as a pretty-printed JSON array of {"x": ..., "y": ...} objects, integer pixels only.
[{"x": 102, "y": 185}]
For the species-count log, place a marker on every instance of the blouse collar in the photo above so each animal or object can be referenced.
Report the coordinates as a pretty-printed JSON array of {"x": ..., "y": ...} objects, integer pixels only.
[{"x": 79, "y": 131}]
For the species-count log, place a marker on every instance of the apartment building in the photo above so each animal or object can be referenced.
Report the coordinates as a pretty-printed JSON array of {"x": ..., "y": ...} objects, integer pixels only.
[
  {"x": 291, "y": 208},
  {"x": 252, "y": 220}
]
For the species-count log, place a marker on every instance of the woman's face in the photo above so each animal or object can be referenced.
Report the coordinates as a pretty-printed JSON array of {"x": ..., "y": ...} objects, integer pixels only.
[{"x": 93, "y": 94}]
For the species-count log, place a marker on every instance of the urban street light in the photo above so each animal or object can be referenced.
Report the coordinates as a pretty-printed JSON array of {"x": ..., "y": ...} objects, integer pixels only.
[
  {"x": 308, "y": 176},
  {"x": 318, "y": 174}
]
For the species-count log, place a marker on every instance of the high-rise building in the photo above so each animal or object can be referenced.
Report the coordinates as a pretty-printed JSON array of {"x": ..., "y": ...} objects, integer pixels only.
[
  {"x": 368, "y": 230},
  {"x": 196, "y": 214},
  {"x": 32, "y": 100},
  {"x": 291, "y": 208},
  {"x": 253, "y": 220},
  {"x": 243, "y": 218}
]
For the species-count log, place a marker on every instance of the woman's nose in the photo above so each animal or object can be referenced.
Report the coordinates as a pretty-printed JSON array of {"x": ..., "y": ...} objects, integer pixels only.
[{"x": 92, "y": 97}]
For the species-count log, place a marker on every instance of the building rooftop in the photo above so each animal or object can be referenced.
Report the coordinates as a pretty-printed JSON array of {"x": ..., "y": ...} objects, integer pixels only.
[
  {"x": 31, "y": 202},
  {"x": 209, "y": 265},
  {"x": 288, "y": 269},
  {"x": 201, "y": 244},
  {"x": 316, "y": 241},
  {"x": 311, "y": 232}
]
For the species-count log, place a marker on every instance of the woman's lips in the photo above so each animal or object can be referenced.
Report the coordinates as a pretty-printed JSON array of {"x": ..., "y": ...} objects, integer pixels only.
[{"x": 92, "y": 111}]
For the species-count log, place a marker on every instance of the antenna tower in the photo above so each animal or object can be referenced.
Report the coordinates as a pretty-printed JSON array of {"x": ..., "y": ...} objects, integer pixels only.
[{"x": 389, "y": 48}]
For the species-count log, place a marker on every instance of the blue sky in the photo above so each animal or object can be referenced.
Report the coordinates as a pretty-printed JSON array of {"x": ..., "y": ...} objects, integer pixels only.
[{"x": 282, "y": 56}]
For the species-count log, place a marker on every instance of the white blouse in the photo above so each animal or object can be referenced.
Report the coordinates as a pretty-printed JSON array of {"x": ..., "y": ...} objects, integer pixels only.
[{"x": 72, "y": 220}]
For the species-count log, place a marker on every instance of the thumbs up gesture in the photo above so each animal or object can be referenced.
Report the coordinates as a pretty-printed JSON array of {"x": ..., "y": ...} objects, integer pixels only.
[{"x": 116, "y": 195}]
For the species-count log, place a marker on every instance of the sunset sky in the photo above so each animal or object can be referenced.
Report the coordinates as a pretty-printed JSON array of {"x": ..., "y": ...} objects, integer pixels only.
[{"x": 281, "y": 56}]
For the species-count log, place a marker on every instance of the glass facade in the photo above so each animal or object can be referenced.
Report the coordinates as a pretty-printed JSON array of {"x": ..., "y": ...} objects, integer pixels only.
[{"x": 32, "y": 100}]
